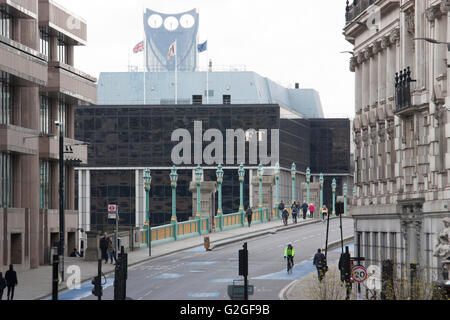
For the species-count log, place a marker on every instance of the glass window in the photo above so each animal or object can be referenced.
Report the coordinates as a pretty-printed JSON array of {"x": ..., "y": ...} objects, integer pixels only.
[
  {"x": 5, "y": 24},
  {"x": 5, "y": 100},
  {"x": 45, "y": 183},
  {"x": 62, "y": 51},
  {"x": 44, "y": 42},
  {"x": 44, "y": 114},
  {"x": 62, "y": 115},
  {"x": 6, "y": 180}
]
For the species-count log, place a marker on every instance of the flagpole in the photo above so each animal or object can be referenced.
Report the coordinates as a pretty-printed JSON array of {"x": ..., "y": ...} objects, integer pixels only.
[
  {"x": 145, "y": 70},
  {"x": 176, "y": 74}
]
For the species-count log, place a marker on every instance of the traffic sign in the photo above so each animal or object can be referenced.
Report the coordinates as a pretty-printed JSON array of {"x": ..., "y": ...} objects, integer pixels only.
[
  {"x": 359, "y": 274},
  {"x": 112, "y": 208}
]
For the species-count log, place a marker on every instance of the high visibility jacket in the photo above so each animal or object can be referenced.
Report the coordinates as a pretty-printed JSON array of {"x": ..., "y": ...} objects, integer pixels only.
[{"x": 289, "y": 252}]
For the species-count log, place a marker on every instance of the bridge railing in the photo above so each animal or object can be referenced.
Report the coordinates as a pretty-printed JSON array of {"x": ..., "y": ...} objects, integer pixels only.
[{"x": 192, "y": 228}]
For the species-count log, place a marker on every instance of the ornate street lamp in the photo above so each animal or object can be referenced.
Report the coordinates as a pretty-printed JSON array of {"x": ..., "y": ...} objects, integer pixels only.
[
  {"x": 333, "y": 188},
  {"x": 241, "y": 173},
  {"x": 198, "y": 180},
  {"x": 321, "y": 192},
  {"x": 277, "y": 180},
  {"x": 308, "y": 180},
  {"x": 219, "y": 175},
  {"x": 345, "y": 198},
  {"x": 147, "y": 182},
  {"x": 260, "y": 176},
  {"x": 293, "y": 174},
  {"x": 173, "y": 184}
]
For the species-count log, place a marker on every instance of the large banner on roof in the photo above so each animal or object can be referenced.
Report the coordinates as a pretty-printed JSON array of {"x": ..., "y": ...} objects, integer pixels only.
[{"x": 161, "y": 30}]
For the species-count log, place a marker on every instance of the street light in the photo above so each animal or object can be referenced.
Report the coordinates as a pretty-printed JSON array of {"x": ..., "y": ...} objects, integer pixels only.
[
  {"x": 219, "y": 175},
  {"x": 198, "y": 178},
  {"x": 173, "y": 184},
  {"x": 333, "y": 188},
  {"x": 433, "y": 41},
  {"x": 147, "y": 182},
  {"x": 293, "y": 174},
  {"x": 241, "y": 173},
  {"x": 308, "y": 180},
  {"x": 321, "y": 192},
  {"x": 260, "y": 176},
  {"x": 277, "y": 179}
]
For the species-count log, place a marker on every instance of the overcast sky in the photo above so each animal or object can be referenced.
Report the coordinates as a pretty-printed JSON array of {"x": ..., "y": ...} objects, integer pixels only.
[{"x": 287, "y": 41}]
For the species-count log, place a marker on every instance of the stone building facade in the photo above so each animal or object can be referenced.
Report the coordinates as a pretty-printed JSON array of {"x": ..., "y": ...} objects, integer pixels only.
[
  {"x": 401, "y": 130},
  {"x": 39, "y": 85}
]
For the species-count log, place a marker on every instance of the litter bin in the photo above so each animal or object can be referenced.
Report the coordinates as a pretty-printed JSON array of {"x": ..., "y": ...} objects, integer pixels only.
[{"x": 206, "y": 243}]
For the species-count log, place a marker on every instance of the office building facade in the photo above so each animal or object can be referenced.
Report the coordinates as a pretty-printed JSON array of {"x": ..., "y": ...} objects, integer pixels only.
[
  {"x": 125, "y": 140},
  {"x": 39, "y": 85}
]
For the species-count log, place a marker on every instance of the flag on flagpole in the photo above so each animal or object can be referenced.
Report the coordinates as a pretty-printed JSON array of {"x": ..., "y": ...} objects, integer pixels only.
[
  {"x": 203, "y": 46},
  {"x": 172, "y": 50},
  {"x": 139, "y": 47}
]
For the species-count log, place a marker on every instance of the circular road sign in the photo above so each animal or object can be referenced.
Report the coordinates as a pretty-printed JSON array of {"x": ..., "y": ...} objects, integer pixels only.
[{"x": 359, "y": 274}]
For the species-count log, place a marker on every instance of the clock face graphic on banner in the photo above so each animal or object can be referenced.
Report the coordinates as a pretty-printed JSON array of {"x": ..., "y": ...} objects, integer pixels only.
[{"x": 162, "y": 29}]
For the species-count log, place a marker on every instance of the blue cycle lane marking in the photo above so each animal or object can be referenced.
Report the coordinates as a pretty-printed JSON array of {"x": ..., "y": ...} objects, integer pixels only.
[{"x": 84, "y": 291}]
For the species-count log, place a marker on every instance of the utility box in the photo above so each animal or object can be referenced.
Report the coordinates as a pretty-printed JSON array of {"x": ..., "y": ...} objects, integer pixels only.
[{"x": 206, "y": 243}]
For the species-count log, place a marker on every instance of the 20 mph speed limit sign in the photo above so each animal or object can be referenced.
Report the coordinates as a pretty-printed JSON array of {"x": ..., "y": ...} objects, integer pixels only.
[{"x": 359, "y": 274}]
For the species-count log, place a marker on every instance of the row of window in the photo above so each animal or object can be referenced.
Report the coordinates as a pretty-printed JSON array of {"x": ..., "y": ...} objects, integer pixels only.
[
  {"x": 45, "y": 183},
  {"x": 44, "y": 47},
  {"x": 45, "y": 115},
  {"x": 6, "y": 179},
  {"x": 5, "y": 99},
  {"x": 198, "y": 99},
  {"x": 5, "y": 24}
]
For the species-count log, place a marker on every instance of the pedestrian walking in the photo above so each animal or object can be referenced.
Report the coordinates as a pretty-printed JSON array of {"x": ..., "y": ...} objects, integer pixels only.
[
  {"x": 311, "y": 210},
  {"x": 111, "y": 251},
  {"x": 2, "y": 285},
  {"x": 11, "y": 282},
  {"x": 324, "y": 213},
  {"x": 249, "y": 214},
  {"x": 104, "y": 247},
  {"x": 320, "y": 263},
  {"x": 294, "y": 212},
  {"x": 281, "y": 206},
  {"x": 304, "y": 209}
]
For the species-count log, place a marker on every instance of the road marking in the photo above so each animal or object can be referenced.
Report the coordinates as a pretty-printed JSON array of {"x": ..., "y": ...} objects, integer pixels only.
[
  {"x": 204, "y": 295},
  {"x": 169, "y": 276}
]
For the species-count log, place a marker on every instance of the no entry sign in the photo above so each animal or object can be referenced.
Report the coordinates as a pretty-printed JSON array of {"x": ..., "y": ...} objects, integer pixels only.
[
  {"x": 359, "y": 274},
  {"x": 112, "y": 211}
]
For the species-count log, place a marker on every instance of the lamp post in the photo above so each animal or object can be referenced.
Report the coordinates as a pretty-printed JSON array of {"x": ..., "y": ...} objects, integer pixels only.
[
  {"x": 345, "y": 198},
  {"x": 277, "y": 180},
  {"x": 147, "y": 183},
  {"x": 198, "y": 179},
  {"x": 61, "y": 199},
  {"x": 260, "y": 176},
  {"x": 219, "y": 175},
  {"x": 293, "y": 173},
  {"x": 173, "y": 184},
  {"x": 241, "y": 173},
  {"x": 333, "y": 188},
  {"x": 308, "y": 180},
  {"x": 321, "y": 192}
]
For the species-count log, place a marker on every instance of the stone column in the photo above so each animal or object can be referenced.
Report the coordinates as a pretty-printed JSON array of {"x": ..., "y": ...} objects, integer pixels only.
[
  {"x": 365, "y": 80},
  {"x": 374, "y": 75},
  {"x": 358, "y": 87}
]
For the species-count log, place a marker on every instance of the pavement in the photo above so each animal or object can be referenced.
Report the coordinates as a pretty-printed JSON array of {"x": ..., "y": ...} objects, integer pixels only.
[{"x": 36, "y": 284}]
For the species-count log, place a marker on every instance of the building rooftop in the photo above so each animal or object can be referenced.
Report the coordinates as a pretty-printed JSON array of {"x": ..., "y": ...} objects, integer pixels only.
[{"x": 243, "y": 87}]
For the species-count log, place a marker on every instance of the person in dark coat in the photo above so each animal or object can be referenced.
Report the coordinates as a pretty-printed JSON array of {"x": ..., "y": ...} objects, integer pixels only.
[
  {"x": 11, "y": 282},
  {"x": 249, "y": 214},
  {"x": 294, "y": 212},
  {"x": 104, "y": 247},
  {"x": 320, "y": 263},
  {"x": 304, "y": 209},
  {"x": 2, "y": 285}
]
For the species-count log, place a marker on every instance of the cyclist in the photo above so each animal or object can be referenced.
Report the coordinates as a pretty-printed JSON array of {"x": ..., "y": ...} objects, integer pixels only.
[{"x": 289, "y": 253}]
